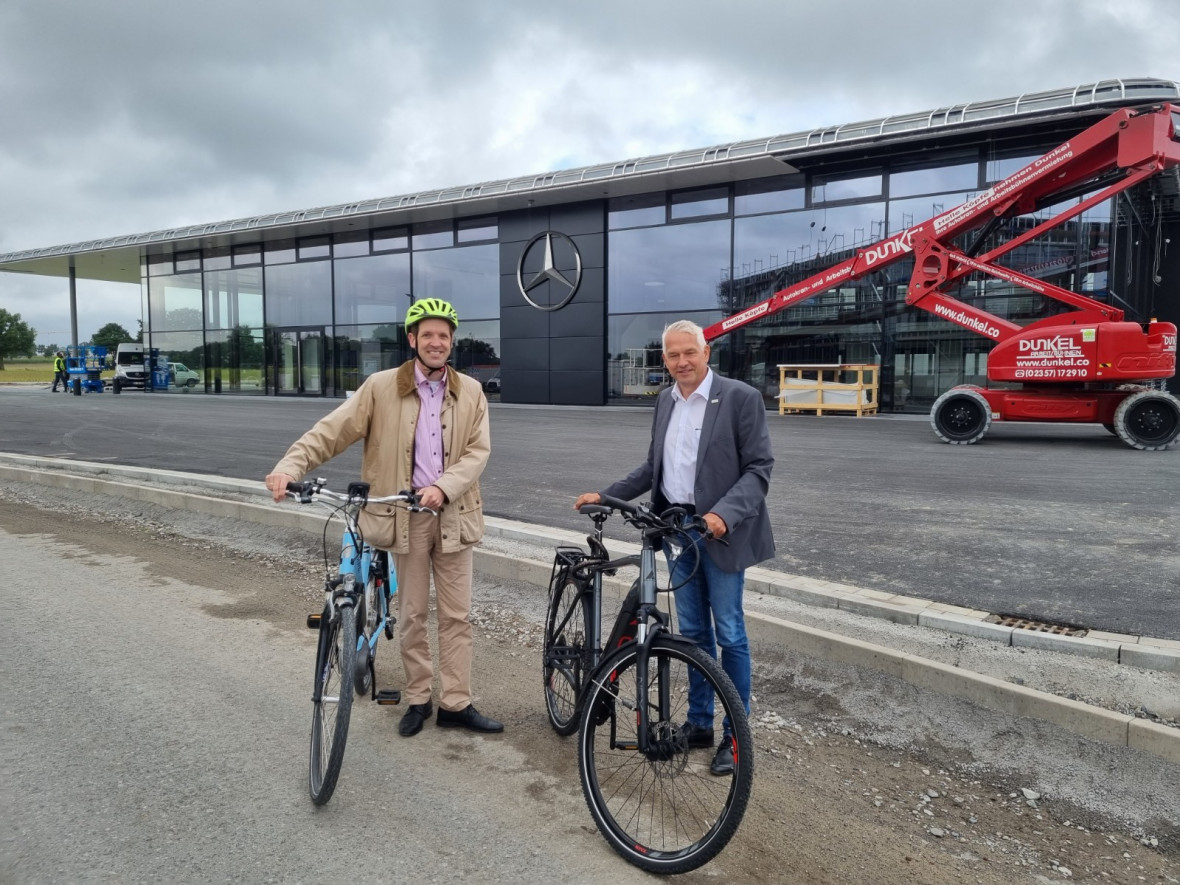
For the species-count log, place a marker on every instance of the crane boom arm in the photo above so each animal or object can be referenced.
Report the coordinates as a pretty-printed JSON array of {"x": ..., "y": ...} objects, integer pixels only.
[{"x": 1129, "y": 146}]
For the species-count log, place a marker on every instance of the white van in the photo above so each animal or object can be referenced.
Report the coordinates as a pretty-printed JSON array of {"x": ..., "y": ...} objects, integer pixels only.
[{"x": 130, "y": 370}]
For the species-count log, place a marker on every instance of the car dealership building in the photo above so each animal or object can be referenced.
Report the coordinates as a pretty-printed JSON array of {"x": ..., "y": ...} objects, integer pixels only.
[{"x": 564, "y": 281}]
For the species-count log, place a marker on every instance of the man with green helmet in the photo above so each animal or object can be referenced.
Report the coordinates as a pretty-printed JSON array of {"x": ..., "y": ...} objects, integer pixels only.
[{"x": 425, "y": 427}]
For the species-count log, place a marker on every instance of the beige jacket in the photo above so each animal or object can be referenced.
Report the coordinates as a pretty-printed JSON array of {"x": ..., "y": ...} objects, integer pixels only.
[{"x": 384, "y": 412}]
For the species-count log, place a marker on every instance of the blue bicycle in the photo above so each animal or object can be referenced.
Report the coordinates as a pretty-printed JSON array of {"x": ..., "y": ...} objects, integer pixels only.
[{"x": 356, "y": 612}]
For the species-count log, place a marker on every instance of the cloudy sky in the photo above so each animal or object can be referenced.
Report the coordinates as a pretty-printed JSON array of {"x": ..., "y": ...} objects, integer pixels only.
[{"x": 126, "y": 116}]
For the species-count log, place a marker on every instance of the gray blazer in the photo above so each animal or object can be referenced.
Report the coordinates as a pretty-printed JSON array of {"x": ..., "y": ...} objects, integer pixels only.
[{"x": 734, "y": 459}]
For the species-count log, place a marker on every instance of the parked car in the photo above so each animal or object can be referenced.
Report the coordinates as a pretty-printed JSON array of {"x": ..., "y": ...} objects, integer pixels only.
[
  {"x": 182, "y": 375},
  {"x": 492, "y": 385}
]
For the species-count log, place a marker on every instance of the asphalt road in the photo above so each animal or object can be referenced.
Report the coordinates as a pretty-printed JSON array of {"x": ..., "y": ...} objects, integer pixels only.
[{"x": 1050, "y": 522}]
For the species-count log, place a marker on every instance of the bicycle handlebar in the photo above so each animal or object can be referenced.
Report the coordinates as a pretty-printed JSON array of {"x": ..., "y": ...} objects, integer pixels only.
[
  {"x": 647, "y": 520},
  {"x": 358, "y": 493}
]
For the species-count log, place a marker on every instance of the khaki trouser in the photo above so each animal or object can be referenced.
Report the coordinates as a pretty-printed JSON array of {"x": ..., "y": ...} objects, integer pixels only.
[{"x": 452, "y": 590}]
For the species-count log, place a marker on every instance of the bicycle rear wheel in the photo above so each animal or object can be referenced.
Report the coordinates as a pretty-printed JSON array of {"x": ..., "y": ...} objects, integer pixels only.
[
  {"x": 566, "y": 656},
  {"x": 335, "y": 674},
  {"x": 663, "y": 810}
]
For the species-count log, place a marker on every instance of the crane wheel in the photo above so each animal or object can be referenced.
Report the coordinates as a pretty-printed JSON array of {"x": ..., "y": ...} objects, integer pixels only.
[
  {"x": 1148, "y": 420},
  {"x": 961, "y": 416}
]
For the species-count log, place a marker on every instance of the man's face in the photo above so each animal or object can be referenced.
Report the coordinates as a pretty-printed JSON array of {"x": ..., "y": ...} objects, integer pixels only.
[
  {"x": 687, "y": 362},
  {"x": 432, "y": 340}
]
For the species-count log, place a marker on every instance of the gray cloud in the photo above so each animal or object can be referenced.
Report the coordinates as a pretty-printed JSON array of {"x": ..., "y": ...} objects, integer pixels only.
[{"x": 122, "y": 116}]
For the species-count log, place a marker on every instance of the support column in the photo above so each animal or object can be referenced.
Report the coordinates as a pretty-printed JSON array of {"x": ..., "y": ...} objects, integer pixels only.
[{"x": 73, "y": 304}]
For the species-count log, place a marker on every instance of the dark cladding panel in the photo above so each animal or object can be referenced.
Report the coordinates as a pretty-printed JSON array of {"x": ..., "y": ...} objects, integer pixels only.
[
  {"x": 522, "y": 321},
  {"x": 578, "y": 320},
  {"x": 580, "y": 218},
  {"x": 576, "y": 355},
  {"x": 592, "y": 248},
  {"x": 536, "y": 343},
  {"x": 521, "y": 226},
  {"x": 523, "y": 354},
  {"x": 524, "y": 387},
  {"x": 577, "y": 389}
]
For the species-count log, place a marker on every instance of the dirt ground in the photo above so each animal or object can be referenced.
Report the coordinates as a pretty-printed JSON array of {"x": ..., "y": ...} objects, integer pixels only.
[{"x": 839, "y": 796}]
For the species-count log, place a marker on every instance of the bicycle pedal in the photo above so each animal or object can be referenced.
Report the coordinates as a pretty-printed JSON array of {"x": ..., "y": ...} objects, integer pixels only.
[
  {"x": 313, "y": 622},
  {"x": 387, "y": 697},
  {"x": 389, "y": 622}
]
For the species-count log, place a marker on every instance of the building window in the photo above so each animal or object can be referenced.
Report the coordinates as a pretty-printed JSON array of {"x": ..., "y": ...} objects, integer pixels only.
[
  {"x": 311, "y": 248},
  {"x": 372, "y": 289},
  {"x": 233, "y": 298},
  {"x": 473, "y": 230},
  {"x": 466, "y": 276},
  {"x": 637, "y": 211},
  {"x": 769, "y": 195},
  {"x": 391, "y": 239},
  {"x": 299, "y": 294},
  {"x": 245, "y": 256},
  {"x": 669, "y": 268},
  {"x": 280, "y": 252},
  {"x": 175, "y": 302},
  {"x": 436, "y": 235},
  {"x": 187, "y": 262},
  {"x": 696, "y": 204},
  {"x": 940, "y": 179},
  {"x": 350, "y": 245},
  {"x": 835, "y": 189}
]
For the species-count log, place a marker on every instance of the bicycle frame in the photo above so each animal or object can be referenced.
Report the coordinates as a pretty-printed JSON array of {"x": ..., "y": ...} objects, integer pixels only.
[
  {"x": 356, "y": 567},
  {"x": 651, "y": 622}
]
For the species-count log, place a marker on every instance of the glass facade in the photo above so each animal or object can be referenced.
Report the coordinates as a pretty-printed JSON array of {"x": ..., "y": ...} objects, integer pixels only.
[
  {"x": 316, "y": 316},
  {"x": 783, "y": 231}
]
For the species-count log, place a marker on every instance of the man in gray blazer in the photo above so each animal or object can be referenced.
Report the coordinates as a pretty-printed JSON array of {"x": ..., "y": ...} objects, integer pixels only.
[{"x": 710, "y": 453}]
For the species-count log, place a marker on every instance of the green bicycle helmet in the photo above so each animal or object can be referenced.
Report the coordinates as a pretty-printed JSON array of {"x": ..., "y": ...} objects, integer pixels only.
[{"x": 431, "y": 307}]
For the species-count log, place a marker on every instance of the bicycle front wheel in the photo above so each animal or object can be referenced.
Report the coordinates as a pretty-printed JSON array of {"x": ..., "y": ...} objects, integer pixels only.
[
  {"x": 662, "y": 810},
  {"x": 335, "y": 675},
  {"x": 567, "y": 651}
]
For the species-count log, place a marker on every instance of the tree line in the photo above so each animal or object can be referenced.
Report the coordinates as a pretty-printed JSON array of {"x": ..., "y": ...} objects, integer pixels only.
[{"x": 18, "y": 338}]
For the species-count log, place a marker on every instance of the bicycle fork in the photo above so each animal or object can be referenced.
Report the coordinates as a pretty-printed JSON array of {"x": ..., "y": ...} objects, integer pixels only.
[
  {"x": 339, "y": 598},
  {"x": 658, "y": 742}
]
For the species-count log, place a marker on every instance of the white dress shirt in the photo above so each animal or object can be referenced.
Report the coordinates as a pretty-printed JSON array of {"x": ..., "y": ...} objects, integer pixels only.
[{"x": 679, "y": 472}]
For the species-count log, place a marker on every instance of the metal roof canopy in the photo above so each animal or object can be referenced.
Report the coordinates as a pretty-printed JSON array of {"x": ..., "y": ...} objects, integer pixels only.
[{"x": 117, "y": 258}]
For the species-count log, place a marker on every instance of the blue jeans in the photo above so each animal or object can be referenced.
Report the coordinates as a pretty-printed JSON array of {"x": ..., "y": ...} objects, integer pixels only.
[{"x": 709, "y": 608}]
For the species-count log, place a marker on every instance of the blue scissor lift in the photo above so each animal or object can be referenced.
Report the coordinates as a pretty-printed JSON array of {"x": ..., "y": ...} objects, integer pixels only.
[{"x": 84, "y": 367}]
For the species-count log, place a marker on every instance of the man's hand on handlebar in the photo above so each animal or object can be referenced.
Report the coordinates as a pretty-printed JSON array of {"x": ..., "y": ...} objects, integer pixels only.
[
  {"x": 587, "y": 498},
  {"x": 716, "y": 525},
  {"x": 277, "y": 484},
  {"x": 431, "y": 498}
]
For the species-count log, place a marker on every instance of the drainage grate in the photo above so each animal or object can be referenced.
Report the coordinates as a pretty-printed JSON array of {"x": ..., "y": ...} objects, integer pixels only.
[{"x": 1037, "y": 626}]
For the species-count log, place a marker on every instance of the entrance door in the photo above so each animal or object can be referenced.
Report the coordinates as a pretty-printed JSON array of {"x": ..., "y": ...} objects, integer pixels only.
[{"x": 299, "y": 362}]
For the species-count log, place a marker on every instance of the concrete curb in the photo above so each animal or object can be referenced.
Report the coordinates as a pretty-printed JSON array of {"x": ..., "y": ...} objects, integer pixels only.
[{"x": 246, "y": 500}]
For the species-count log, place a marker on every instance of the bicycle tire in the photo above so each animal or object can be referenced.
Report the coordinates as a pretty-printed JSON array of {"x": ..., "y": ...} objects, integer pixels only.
[
  {"x": 664, "y": 812},
  {"x": 567, "y": 655},
  {"x": 363, "y": 682},
  {"x": 330, "y": 714}
]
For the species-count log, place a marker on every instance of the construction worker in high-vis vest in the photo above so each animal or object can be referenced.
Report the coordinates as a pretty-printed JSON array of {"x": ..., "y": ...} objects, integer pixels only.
[{"x": 59, "y": 373}]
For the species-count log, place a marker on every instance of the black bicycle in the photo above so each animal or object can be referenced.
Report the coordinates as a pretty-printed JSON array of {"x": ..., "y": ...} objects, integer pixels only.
[{"x": 652, "y": 795}]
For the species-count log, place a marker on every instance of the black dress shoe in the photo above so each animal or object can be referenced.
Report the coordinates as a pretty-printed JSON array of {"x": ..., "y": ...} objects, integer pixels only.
[
  {"x": 723, "y": 761},
  {"x": 696, "y": 735},
  {"x": 469, "y": 718},
  {"x": 411, "y": 723}
]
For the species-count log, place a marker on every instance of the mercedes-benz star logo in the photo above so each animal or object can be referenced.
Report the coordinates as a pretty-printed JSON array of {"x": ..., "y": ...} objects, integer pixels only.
[{"x": 563, "y": 288}]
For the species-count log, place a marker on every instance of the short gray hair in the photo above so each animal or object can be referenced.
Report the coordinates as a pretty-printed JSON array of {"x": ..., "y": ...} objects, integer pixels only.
[{"x": 684, "y": 326}]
